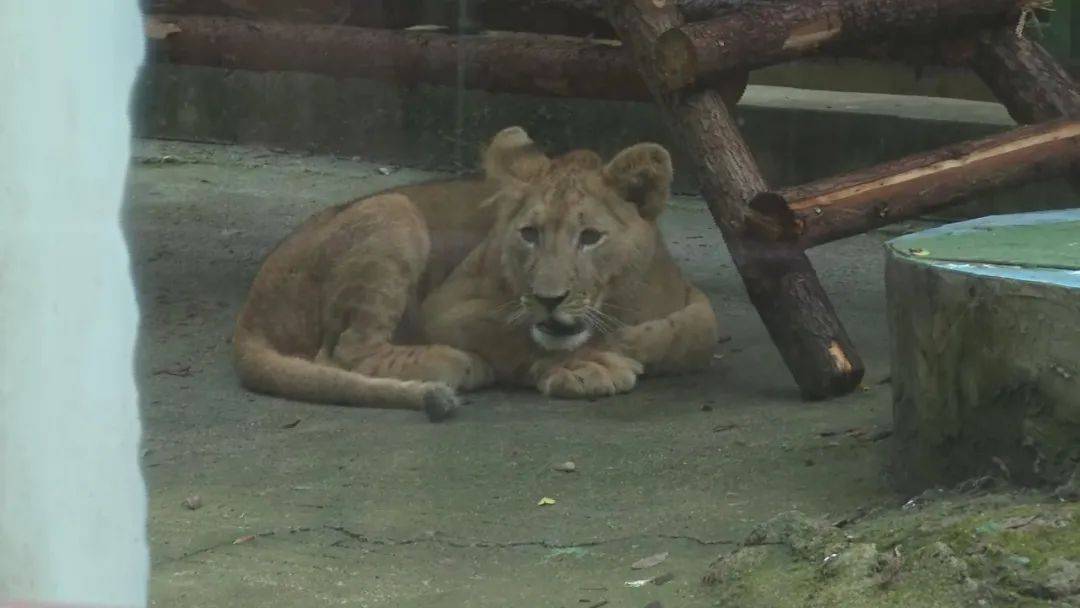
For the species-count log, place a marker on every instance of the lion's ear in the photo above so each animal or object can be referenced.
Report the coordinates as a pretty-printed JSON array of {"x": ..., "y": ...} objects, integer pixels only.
[
  {"x": 513, "y": 157},
  {"x": 642, "y": 175}
]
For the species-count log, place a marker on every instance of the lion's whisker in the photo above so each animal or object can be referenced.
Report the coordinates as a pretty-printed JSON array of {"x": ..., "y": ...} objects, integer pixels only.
[
  {"x": 597, "y": 321},
  {"x": 611, "y": 321}
]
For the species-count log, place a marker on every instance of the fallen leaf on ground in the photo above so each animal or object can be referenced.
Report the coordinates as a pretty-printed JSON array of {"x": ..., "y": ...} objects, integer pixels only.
[
  {"x": 193, "y": 502},
  {"x": 180, "y": 372},
  {"x": 244, "y": 539},
  {"x": 649, "y": 562},
  {"x": 545, "y": 501},
  {"x": 566, "y": 467},
  {"x": 291, "y": 425}
]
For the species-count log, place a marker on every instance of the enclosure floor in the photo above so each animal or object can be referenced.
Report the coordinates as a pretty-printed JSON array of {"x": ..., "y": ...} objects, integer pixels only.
[{"x": 383, "y": 509}]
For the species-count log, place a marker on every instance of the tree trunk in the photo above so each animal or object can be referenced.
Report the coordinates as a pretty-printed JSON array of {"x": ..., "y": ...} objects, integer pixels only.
[
  {"x": 846, "y": 205},
  {"x": 779, "y": 278},
  {"x": 985, "y": 357}
]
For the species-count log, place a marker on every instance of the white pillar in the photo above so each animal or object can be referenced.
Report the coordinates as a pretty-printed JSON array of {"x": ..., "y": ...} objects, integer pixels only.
[{"x": 72, "y": 498}]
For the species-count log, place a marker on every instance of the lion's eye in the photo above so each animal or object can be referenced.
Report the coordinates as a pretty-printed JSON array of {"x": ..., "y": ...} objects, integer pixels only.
[
  {"x": 590, "y": 237},
  {"x": 530, "y": 235}
]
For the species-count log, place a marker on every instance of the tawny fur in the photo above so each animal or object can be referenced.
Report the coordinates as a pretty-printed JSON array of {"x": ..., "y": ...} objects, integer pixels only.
[{"x": 403, "y": 298}]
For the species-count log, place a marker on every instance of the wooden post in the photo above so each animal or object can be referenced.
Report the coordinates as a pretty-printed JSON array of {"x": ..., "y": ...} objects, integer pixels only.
[
  {"x": 506, "y": 63},
  {"x": 846, "y": 205},
  {"x": 762, "y": 34},
  {"x": 781, "y": 283}
]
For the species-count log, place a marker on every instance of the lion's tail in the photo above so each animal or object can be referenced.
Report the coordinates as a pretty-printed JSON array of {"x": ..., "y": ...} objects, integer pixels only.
[{"x": 264, "y": 370}]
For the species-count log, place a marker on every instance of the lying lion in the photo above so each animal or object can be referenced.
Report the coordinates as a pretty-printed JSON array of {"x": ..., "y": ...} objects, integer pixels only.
[{"x": 549, "y": 273}]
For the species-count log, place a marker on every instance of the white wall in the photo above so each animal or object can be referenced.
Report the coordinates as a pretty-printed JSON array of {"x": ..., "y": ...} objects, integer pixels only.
[{"x": 72, "y": 499}]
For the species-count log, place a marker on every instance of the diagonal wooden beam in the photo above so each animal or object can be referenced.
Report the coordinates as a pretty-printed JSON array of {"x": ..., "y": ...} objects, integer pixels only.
[
  {"x": 1027, "y": 80},
  {"x": 1024, "y": 77},
  {"x": 850, "y": 204},
  {"x": 779, "y": 278}
]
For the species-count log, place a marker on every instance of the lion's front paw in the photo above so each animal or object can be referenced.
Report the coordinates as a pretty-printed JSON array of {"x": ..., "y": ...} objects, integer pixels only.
[
  {"x": 598, "y": 375},
  {"x": 458, "y": 368}
]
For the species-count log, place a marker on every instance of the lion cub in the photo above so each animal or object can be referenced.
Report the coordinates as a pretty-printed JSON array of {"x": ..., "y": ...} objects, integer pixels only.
[{"x": 548, "y": 272}]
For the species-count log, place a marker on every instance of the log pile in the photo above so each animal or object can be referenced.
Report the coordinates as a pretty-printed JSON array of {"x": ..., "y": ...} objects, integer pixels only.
[{"x": 692, "y": 58}]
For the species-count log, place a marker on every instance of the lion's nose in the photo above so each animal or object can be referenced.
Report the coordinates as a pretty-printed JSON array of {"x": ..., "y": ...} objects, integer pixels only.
[{"x": 551, "y": 302}]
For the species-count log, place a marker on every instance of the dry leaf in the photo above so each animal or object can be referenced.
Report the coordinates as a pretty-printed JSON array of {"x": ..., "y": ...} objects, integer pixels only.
[
  {"x": 156, "y": 29},
  {"x": 244, "y": 539},
  {"x": 545, "y": 501},
  {"x": 649, "y": 562},
  {"x": 566, "y": 467},
  {"x": 193, "y": 502}
]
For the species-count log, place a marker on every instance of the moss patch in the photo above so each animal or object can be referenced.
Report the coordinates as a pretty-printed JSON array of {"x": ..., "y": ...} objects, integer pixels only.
[{"x": 940, "y": 549}]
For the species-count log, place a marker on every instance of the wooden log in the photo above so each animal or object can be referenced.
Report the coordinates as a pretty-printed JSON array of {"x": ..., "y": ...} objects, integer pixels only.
[
  {"x": 764, "y": 34},
  {"x": 838, "y": 207},
  {"x": 300, "y": 11},
  {"x": 781, "y": 283},
  {"x": 507, "y": 63},
  {"x": 1031, "y": 84},
  {"x": 518, "y": 63},
  {"x": 570, "y": 17}
]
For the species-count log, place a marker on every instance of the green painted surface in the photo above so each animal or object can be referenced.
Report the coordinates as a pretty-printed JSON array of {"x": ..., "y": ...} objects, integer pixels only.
[{"x": 1046, "y": 245}]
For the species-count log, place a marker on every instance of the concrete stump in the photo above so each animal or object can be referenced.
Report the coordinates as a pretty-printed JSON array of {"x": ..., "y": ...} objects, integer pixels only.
[{"x": 985, "y": 323}]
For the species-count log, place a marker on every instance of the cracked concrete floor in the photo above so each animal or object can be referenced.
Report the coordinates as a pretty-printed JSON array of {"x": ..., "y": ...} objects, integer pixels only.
[{"x": 340, "y": 506}]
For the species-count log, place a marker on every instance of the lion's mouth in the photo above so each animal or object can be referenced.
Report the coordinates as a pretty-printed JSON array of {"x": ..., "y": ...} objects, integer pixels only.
[
  {"x": 558, "y": 329},
  {"x": 556, "y": 335}
]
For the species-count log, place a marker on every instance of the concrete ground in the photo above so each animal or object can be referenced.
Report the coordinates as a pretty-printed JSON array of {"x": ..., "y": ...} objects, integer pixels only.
[{"x": 307, "y": 505}]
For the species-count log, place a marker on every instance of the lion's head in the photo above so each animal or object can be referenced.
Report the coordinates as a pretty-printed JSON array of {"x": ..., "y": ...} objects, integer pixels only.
[{"x": 571, "y": 228}]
